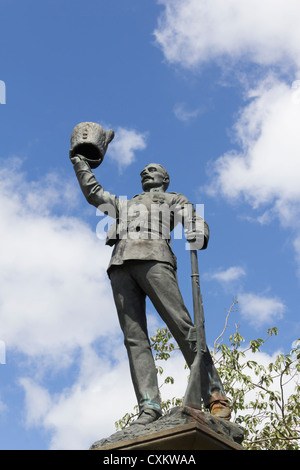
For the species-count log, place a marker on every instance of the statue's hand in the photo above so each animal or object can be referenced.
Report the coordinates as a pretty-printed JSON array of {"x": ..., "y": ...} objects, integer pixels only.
[
  {"x": 74, "y": 158},
  {"x": 196, "y": 240}
]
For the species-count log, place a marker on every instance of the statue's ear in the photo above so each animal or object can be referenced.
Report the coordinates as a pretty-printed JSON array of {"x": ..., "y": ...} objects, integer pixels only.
[{"x": 166, "y": 182}]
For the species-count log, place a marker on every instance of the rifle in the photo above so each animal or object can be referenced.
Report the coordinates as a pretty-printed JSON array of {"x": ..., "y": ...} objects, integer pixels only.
[{"x": 193, "y": 393}]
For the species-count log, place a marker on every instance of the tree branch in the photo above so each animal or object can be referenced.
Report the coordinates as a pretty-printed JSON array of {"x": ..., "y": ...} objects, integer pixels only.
[{"x": 226, "y": 323}]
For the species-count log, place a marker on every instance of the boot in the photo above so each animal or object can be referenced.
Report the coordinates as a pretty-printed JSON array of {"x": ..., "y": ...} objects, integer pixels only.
[
  {"x": 146, "y": 416},
  {"x": 219, "y": 407}
]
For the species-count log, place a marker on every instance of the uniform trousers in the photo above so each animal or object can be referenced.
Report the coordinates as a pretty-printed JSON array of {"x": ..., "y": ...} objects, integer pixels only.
[{"x": 131, "y": 282}]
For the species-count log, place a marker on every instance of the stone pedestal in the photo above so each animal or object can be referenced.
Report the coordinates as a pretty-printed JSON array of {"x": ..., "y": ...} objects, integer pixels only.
[{"x": 183, "y": 428}]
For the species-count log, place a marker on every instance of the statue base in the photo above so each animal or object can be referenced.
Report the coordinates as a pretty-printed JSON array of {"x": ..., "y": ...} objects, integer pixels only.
[{"x": 183, "y": 428}]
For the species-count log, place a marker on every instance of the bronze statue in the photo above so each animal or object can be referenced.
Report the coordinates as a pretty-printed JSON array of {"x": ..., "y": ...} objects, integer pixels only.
[{"x": 143, "y": 264}]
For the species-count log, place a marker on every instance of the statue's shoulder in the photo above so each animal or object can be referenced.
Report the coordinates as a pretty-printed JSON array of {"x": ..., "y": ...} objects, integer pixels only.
[
  {"x": 178, "y": 197},
  {"x": 175, "y": 194}
]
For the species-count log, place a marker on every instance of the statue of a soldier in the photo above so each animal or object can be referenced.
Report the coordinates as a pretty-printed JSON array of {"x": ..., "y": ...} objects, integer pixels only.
[{"x": 143, "y": 264}]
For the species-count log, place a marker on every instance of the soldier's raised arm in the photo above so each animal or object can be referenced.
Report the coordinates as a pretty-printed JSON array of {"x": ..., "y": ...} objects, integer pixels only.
[
  {"x": 89, "y": 143},
  {"x": 92, "y": 190}
]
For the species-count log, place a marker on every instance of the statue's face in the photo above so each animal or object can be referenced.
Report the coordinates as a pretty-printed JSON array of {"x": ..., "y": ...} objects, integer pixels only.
[{"x": 153, "y": 176}]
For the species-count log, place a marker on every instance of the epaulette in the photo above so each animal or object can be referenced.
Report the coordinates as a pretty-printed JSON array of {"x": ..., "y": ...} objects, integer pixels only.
[{"x": 177, "y": 194}]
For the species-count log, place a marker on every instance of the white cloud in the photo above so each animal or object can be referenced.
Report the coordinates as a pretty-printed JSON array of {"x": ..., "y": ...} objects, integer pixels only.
[
  {"x": 261, "y": 310},
  {"x": 183, "y": 113},
  {"x": 126, "y": 142},
  {"x": 296, "y": 246},
  {"x": 265, "y": 32},
  {"x": 37, "y": 401},
  {"x": 267, "y": 169},
  {"x": 87, "y": 411},
  {"x": 258, "y": 310},
  {"x": 3, "y": 407},
  {"x": 231, "y": 274}
]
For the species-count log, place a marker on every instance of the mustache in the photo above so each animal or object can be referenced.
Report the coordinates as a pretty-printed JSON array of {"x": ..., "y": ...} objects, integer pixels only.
[{"x": 147, "y": 177}]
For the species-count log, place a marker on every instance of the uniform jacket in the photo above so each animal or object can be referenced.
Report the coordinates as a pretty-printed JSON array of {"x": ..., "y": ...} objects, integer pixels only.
[{"x": 143, "y": 224}]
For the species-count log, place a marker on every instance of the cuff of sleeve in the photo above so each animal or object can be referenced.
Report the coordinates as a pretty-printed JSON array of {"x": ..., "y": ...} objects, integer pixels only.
[{"x": 81, "y": 165}]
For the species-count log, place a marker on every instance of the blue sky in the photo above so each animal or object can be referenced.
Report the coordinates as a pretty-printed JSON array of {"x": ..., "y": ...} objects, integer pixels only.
[{"x": 208, "y": 89}]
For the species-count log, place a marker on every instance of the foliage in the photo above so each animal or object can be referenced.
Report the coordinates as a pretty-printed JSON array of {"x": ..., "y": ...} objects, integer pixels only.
[
  {"x": 260, "y": 401},
  {"x": 265, "y": 399}
]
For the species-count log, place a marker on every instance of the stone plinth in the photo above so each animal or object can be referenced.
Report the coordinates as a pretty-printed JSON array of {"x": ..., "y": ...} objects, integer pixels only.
[{"x": 183, "y": 428}]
